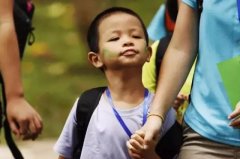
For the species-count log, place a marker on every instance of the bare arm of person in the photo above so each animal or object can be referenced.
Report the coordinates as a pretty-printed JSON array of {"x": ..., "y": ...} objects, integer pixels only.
[
  {"x": 24, "y": 121},
  {"x": 176, "y": 65}
]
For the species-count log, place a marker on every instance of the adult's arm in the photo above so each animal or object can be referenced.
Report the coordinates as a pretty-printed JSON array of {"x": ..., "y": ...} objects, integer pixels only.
[
  {"x": 176, "y": 65},
  {"x": 23, "y": 119},
  {"x": 9, "y": 55}
]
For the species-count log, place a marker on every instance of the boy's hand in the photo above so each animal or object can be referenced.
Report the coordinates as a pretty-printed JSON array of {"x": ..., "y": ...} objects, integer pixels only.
[
  {"x": 235, "y": 117},
  {"x": 135, "y": 145}
]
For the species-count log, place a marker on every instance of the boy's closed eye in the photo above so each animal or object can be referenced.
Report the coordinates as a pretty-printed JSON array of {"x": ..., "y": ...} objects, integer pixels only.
[
  {"x": 113, "y": 39},
  {"x": 137, "y": 36}
]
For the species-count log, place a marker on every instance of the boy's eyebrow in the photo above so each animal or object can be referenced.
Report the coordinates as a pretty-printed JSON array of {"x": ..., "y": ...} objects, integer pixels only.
[
  {"x": 114, "y": 31},
  {"x": 109, "y": 32}
]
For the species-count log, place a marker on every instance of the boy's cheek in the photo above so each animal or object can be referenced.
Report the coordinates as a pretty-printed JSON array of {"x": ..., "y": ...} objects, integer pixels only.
[{"x": 109, "y": 54}]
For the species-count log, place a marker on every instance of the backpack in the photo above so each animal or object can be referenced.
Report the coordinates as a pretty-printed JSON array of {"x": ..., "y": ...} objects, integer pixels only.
[
  {"x": 22, "y": 12},
  {"x": 167, "y": 148}
]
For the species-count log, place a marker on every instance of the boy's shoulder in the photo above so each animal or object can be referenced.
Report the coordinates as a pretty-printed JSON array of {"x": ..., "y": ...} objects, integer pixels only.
[{"x": 86, "y": 105}]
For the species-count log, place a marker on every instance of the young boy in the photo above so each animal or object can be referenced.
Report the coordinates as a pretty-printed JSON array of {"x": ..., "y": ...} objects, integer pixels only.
[{"x": 118, "y": 43}]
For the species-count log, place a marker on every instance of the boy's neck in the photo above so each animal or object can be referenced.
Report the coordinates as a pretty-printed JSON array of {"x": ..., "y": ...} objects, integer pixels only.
[{"x": 126, "y": 89}]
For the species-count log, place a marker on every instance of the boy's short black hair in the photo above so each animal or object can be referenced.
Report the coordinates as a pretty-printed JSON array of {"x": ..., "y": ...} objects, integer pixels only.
[{"x": 93, "y": 34}]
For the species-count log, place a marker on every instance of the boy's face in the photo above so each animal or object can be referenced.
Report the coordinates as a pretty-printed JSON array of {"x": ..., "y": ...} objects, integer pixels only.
[{"x": 122, "y": 41}]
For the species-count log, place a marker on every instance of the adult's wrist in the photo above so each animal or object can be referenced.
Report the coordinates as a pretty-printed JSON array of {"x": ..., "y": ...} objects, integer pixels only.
[
  {"x": 152, "y": 114},
  {"x": 14, "y": 95}
]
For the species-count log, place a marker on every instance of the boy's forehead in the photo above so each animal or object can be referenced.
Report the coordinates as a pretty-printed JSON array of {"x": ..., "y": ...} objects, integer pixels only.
[{"x": 118, "y": 18}]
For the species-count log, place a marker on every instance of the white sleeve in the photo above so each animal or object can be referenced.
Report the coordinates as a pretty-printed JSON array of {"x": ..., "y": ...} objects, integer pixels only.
[{"x": 67, "y": 140}]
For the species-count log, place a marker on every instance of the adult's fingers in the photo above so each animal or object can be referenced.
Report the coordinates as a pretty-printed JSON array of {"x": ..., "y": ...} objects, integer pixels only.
[
  {"x": 235, "y": 113},
  {"x": 14, "y": 127},
  {"x": 236, "y": 123}
]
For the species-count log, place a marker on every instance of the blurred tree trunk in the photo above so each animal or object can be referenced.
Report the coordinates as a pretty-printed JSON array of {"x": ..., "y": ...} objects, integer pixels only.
[{"x": 85, "y": 11}]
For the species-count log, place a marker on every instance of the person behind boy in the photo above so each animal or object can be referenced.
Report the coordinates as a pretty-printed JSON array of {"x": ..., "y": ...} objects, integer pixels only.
[{"x": 118, "y": 43}]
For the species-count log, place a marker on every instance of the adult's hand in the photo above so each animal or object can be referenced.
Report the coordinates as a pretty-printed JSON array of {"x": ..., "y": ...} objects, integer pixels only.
[
  {"x": 23, "y": 119},
  {"x": 235, "y": 117},
  {"x": 152, "y": 130}
]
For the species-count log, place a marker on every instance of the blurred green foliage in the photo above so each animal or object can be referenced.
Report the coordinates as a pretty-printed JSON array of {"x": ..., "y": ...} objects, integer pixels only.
[{"x": 55, "y": 68}]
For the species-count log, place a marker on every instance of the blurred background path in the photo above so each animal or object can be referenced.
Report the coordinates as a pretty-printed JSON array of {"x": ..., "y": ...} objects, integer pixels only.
[{"x": 42, "y": 149}]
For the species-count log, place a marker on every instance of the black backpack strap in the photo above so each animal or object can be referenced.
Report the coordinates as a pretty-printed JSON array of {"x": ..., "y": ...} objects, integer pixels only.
[
  {"x": 161, "y": 49},
  {"x": 169, "y": 145},
  {"x": 200, "y": 6},
  {"x": 23, "y": 23},
  {"x": 87, "y": 103}
]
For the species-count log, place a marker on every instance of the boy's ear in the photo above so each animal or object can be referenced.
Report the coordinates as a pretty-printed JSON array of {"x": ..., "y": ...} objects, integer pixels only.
[
  {"x": 95, "y": 59},
  {"x": 149, "y": 52}
]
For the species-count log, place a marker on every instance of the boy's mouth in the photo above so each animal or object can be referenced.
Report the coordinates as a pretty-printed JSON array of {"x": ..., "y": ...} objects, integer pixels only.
[{"x": 129, "y": 52}]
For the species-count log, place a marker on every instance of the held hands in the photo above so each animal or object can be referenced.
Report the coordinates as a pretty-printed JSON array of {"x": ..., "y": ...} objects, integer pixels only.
[
  {"x": 138, "y": 150},
  {"x": 142, "y": 144},
  {"x": 235, "y": 117},
  {"x": 151, "y": 129},
  {"x": 23, "y": 120}
]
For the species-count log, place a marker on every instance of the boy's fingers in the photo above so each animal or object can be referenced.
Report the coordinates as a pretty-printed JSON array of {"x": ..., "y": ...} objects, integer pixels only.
[
  {"x": 138, "y": 138},
  {"x": 141, "y": 133},
  {"x": 137, "y": 146},
  {"x": 133, "y": 152},
  {"x": 129, "y": 146},
  {"x": 131, "y": 149}
]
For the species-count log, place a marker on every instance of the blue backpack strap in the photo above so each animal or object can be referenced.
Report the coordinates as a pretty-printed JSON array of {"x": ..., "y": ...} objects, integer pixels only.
[{"x": 87, "y": 103}]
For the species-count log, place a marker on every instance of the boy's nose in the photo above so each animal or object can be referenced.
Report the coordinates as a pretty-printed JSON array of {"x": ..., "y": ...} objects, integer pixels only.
[{"x": 127, "y": 42}]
